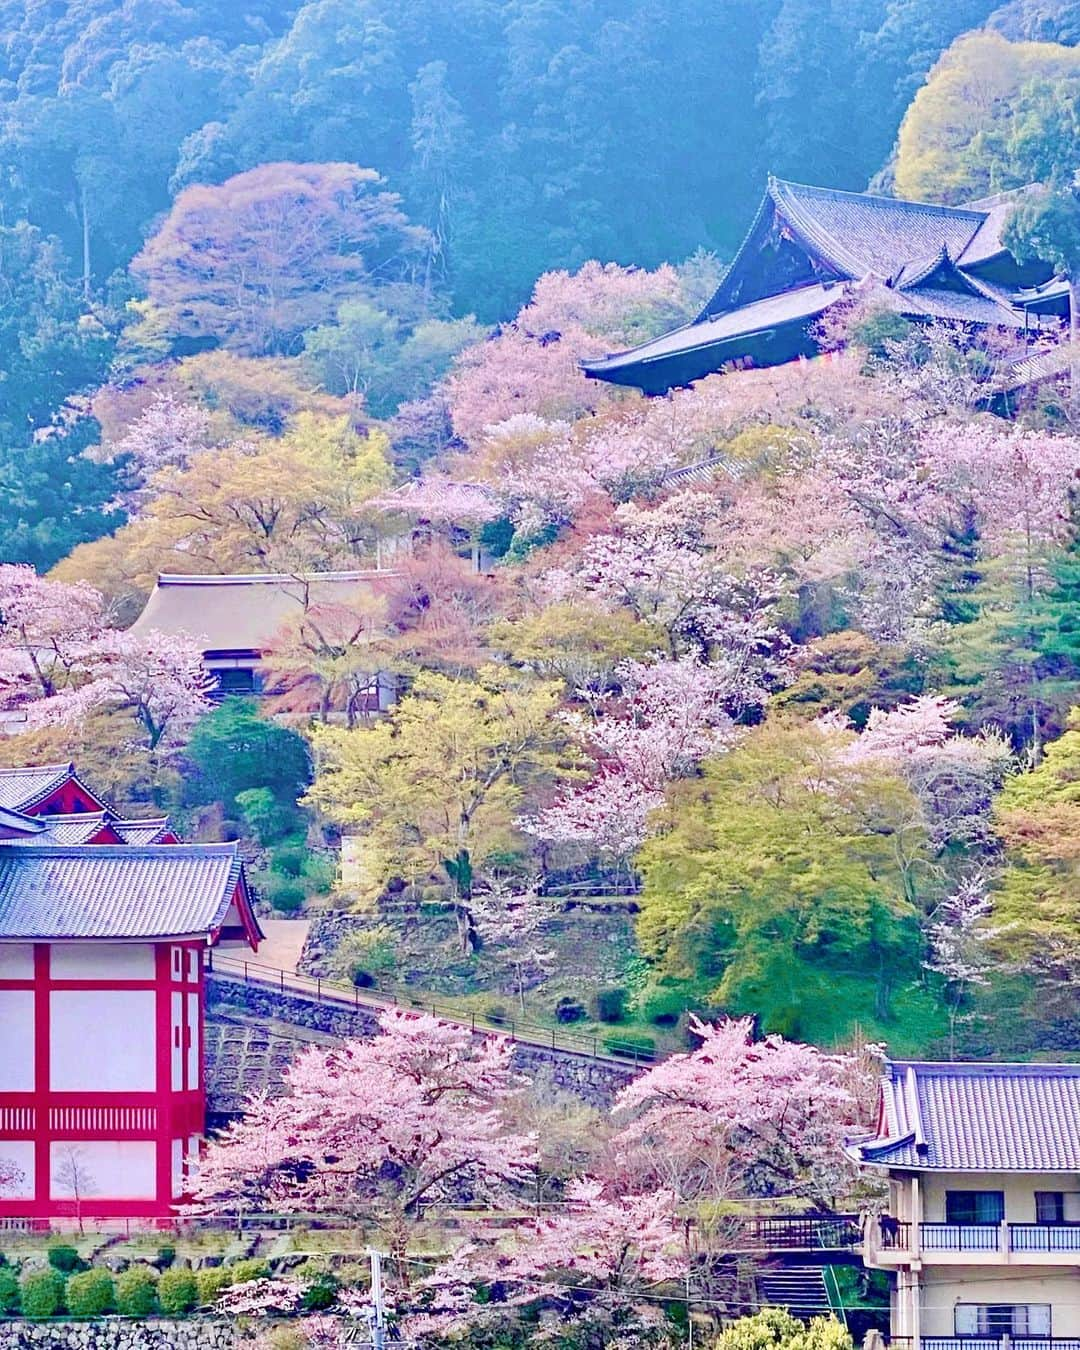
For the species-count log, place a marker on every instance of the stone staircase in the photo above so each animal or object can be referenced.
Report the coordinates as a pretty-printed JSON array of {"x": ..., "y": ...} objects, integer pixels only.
[{"x": 799, "y": 1289}]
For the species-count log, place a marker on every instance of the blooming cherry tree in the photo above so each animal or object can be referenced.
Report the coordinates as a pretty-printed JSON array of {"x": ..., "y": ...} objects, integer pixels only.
[
  {"x": 45, "y": 630},
  {"x": 377, "y": 1129},
  {"x": 736, "y": 1116},
  {"x": 159, "y": 678}
]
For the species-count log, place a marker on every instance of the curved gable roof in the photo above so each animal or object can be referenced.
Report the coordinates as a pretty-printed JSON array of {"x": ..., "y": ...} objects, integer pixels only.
[{"x": 862, "y": 233}]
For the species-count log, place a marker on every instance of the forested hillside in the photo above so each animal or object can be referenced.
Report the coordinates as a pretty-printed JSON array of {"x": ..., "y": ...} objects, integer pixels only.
[{"x": 793, "y": 653}]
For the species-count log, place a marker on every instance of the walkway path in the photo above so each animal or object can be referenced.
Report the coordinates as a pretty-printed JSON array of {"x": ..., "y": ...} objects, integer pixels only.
[{"x": 285, "y": 940}]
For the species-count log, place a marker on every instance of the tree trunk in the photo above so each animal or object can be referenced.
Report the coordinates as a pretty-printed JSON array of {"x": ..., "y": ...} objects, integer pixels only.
[{"x": 85, "y": 244}]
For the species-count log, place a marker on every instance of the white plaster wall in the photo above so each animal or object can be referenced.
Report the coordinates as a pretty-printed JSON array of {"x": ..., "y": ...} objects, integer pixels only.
[
  {"x": 102, "y": 1040},
  {"x": 176, "y": 1042},
  {"x": 942, "y": 1290},
  {"x": 17, "y": 1022},
  {"x": 21, "y": 1153},
  {"x": 1019, "y": 1189},
  {"x": 177, "y": 1168},
  {"x": 101, "y": 961},
  {"x": 16, "y": 961},
  {"x": 109, "y": 1169},
  {"x": 193, "y": 1041}
]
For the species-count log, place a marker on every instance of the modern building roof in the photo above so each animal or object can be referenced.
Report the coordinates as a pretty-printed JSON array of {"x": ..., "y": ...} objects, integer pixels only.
[
  {"x": 243, "y": 613},
  {"x": 107, "y": 892},
  {"x": 976, "y": 1118}
]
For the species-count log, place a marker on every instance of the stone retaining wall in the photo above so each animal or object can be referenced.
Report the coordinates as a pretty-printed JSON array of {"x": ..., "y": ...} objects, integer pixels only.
[
  {"x": 595, "y": 1081},
  {"x": 109, "y": 1333}
]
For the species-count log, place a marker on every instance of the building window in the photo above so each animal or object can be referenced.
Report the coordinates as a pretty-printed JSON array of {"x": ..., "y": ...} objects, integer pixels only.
[
  {"x": 1057, "y": 1207},
  {"x": 974, "y": 1206},
  {"x": 1003, "y": 1319}
]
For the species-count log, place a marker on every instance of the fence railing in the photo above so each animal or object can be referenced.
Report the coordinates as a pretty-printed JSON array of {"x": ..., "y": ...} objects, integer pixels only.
[
  {"x": 610, "y": 1048},
  {"x": 961, "y": 1237},
  {"x": 1044, "y": 1237},
  {"x": 796, "y": 1232},
  {"x": 1003, "y": 1342}
]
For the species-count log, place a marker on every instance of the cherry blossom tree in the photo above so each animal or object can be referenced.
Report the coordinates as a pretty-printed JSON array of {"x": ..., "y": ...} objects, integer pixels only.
[
  {"x": 11, "y": 1176},
  {"x": 159, "y": 678},
  {"x": 738, "y": 1116},
  {"x": 670, "y": 715},
  {"x": 377, "y": 1130},
  {"x": 960, "y": 946},
  {"x": 167, "y": 434},
  {"x": 532, "y": 364},
  {"x": 45, "y": 629},
  {"x": 589, "y": 1264}
]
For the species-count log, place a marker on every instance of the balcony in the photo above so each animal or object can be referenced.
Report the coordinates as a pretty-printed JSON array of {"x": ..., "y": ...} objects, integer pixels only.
[
  {"x": 996, "y": 1343},
  {"x": 1039, "y": 1241}
]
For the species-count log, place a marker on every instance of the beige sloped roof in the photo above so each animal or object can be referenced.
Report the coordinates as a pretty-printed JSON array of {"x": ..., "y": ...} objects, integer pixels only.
[{"x": 243, "y": 613}]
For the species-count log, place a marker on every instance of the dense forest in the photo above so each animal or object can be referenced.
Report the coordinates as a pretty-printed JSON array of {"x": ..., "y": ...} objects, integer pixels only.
[{"x": 296, "y": 288}]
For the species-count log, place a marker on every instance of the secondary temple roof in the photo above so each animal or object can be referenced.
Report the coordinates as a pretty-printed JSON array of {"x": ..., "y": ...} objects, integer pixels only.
[
  {"x": 976, "y": 1118},
  {"x": 244, "y": 612}
]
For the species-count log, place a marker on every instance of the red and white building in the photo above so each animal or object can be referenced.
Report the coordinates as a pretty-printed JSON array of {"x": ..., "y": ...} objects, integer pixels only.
[{"x": 102, "y": 951}]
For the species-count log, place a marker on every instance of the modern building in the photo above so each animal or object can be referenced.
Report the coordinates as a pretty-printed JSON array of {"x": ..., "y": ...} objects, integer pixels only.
[
  {"x": 809, "y": 249},
  {"x": 237, "y": 618},
  {"x": 982, "y": 1229},
  {"x": 102, "y": 951}
]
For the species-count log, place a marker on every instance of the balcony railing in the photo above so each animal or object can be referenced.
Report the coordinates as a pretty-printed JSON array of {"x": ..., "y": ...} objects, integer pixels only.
[
  {"x": 961, "y": 1237},
  {"x": 998, "y": 1343},
  {"x": 1044, "y": 1237}
]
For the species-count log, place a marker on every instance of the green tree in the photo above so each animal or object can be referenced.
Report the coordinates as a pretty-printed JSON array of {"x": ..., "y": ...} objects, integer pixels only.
[
  {"x": 233, "y": 750},
  {"x": 439, "y": 781},
  {"x": 1037, "y": 902},
  {"x": 788, "y": 885},
  {"x": 777, "y": 1329}
]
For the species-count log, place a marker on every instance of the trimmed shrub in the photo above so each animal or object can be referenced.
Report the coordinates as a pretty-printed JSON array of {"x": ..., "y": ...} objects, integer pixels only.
[
  {"x": 630, "y": 1043},
  {"x": 9, "y": 1290},
  {"x": 287, "y": 897},
  {"x": 210, "y": 1282},
  {"x": 91, "y": 1293},
  {"x": 569, "y": 1010},
  {"x": 610, "y": 1004},
  {"x": 63, "y": 1258},
  {"x": 178, "y": 1291},
  {"x": 41, "y": 1293},
  {"x": 136, "y": 1291},
  {"x": 251, "y": 1269},
  {"x": 288, "y": 861},
  {"x": 321, "y": 1293}
]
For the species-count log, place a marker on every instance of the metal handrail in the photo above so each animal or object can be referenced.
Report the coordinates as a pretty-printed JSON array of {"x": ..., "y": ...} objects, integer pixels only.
[{"x": 623, "y": 1054}]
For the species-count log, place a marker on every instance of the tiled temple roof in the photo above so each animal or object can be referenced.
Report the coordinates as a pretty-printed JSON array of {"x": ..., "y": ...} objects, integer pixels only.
[{"x": 116, "y": 892}]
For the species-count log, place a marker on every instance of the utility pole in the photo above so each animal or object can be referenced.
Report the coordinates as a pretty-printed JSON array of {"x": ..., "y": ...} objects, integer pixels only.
[{"x": 378, "y": 1314}]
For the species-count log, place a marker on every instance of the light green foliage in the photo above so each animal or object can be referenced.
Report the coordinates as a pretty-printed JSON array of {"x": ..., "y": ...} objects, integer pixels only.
[
  {"x": 971, "y": 129},
  {"x": 136, "y": 1291},
  {"x": 252, "y": 1268},
  {"x": 1038, "y": 894},
  {"x": 210, "y": 1281},
  {"x": 9, "y": 1290},
  {"x": 786, "y": 885},
  {"x": 265, "y": 816},
  {"x": 41, "y": 1293},
  {"x": 178, "y": 1291},
  {"x": 368, "y": 952},
  {"x": 90, "y": 1293},
  {"x": 776, "y": 1329}
]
